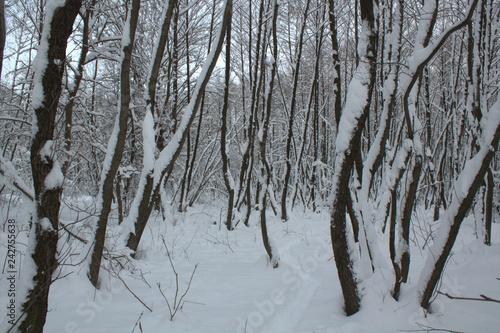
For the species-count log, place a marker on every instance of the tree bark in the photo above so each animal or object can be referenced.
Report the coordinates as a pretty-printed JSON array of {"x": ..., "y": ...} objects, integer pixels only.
[
  {"x": 336, "y": 62},
  {"x": 265, "y": 175},
  {"x": 3, "y": 34},
  {"x": 226, "y": 172},
  {"x": 68, "y": 109},
  {"x": 488, "y": 216},
  {"x": 351, "y": 125},
  {"x": 49, "y": 68}
]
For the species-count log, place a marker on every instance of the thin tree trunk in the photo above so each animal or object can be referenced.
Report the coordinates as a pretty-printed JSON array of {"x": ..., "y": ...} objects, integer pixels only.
[
  {"x": 298, "y": 57},
  {"x": 186, "y": 179},
  {"x": 336, "y": 62},
  {"x": 245, "y": 170},
  {"x": 116, "y": 145},
  {"x": 68, "y": 109},
  {"x": 466, "y": 187},
  {"x": 488, "y": 217},
  {"x": 312, "y": 95},
  {"x": 146, "y": 181},
  {"x": 226, "y": 171},
  {"x": 3, "y": 34},
  {"x": 265, "y": 175}
]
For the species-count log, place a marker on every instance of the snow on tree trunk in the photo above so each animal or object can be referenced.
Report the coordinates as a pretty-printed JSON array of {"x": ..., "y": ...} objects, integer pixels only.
[
  {"x": 352, "y": 121},
  {"x": 144, "y": 201},
  {"x": 148, "y": 126},
  {"x": 265, "y": 169},
  {"x": 116, "y": 144},
  {"x": 226, "y": 172},
  {"x": 40, "y": 261},
  {"x": 465, "y": 189}
]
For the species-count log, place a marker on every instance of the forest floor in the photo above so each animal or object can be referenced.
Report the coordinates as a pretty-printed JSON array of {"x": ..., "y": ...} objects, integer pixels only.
[{"x": 235, "y": 289}]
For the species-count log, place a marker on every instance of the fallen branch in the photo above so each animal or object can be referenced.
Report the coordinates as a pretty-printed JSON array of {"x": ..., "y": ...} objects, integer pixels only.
[
  {"x": 425, "y": 328},
  {"x": 483, "y": 298}
]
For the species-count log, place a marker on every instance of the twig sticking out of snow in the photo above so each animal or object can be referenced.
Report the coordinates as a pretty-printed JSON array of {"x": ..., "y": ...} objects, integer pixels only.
[
  {"x": 138, "y": 322},
  {"x": 177, "y": 304},
  {"x": 137, "y": 297}
]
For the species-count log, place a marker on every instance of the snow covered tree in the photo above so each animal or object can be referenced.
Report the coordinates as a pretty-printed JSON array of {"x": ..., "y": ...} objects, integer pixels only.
[
  {"x": 347, "y": 146},
  {"x": 116, "y": 144},
  {"x": 41, "y": 259},
  {"x": 149, "y": 189}
]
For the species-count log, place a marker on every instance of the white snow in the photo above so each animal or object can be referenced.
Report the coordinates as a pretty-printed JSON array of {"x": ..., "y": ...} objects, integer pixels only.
[
  {"x": 41, "y": 61},
  {"x": 47, "y": 151},
  {"x": 55, "y": 178},
  {"x": 234, "y": 284},
  {"x": 46, "y": 225},
  {"x": 10, "y": 178}
]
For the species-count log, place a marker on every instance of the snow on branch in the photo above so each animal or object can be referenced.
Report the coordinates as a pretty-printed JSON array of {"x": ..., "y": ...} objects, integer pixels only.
[{"x": 10, "y": 178}]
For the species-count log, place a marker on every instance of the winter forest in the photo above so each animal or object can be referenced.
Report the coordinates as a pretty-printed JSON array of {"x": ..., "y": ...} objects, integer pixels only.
[{"x": 249, "y": 166}]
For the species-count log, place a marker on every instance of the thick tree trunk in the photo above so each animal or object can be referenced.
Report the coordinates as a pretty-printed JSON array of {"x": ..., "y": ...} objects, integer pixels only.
[
  {"x": 46, "y": 171},
  {"x": 347, "y": 145}
]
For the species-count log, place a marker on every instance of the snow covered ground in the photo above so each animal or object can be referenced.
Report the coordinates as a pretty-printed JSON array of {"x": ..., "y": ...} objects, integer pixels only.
[{"x": 235, "y": 289}]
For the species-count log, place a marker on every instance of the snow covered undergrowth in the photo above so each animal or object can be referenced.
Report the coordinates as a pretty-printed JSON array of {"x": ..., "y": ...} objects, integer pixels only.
[{"x": 235, "y": 288}]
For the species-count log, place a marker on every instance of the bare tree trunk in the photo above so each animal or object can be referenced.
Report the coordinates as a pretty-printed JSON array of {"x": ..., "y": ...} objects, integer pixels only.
[
  {"x": 68, "y": 109},
  {"x": 226, "y": 171},
  {"x": 147, "y": 178},
  {"x": 116, "y": 145},
  {"x": 187, "y": 171},
  {"x": 3, "y": 34},
  {"x": 265, "y": 175},
  {"x": 490, "y": 185},
  {"x": 293, "y": 97},
  {"x": 200, "y": 119},
  {"x": 244, "y": 192},
  {"x": 313, "y": 93},
  {"x": 336, "y": 62},
  {"x": 46, "y": 171}
]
